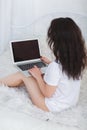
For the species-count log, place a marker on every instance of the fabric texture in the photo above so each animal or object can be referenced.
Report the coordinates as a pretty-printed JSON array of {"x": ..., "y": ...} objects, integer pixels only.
[{"x": 67, "y": 92}]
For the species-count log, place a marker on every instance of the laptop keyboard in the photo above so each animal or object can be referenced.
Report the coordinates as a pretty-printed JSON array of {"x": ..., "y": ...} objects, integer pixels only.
[{"x": 30, "y": 65}]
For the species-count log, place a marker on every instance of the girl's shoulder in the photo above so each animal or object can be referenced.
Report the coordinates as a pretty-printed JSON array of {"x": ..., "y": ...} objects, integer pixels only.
[{"x": 55, "y": 65}]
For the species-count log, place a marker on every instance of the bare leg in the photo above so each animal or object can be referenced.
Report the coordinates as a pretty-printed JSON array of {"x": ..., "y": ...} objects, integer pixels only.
[
  {"x": 37, "y": 97},
  {"x": 31, "y": 85},
  {"x": 12, "y": 80}
]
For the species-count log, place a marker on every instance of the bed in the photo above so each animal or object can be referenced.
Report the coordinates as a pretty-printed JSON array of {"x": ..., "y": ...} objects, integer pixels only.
[{"x": 16, "y": 109}]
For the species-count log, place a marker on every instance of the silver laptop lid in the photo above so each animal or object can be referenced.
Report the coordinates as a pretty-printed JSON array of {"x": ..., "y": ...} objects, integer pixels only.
[{"x": 24, "y": 51}]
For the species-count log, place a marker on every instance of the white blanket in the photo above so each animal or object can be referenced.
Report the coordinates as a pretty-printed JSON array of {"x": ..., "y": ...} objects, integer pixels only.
[{"x": 18, "y": 113}]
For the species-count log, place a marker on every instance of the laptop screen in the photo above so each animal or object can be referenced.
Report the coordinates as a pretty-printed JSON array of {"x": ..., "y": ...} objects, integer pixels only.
[{"x": 25, "y": 50}]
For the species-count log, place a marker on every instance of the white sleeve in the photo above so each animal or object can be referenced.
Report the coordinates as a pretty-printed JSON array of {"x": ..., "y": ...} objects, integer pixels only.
[{"x": 52, "y": 74}]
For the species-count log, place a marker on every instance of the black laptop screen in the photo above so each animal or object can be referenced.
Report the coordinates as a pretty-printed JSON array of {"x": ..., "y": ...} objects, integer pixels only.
[{"x": 25, "y": 50}]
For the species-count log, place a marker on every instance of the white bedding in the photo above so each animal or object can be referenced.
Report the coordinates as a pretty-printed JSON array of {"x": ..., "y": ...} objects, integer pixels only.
[{"x": 18, "y": 113}]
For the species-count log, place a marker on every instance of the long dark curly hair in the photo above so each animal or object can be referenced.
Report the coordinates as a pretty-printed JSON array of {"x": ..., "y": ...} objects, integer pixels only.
[{"x": 67, "y": 43}]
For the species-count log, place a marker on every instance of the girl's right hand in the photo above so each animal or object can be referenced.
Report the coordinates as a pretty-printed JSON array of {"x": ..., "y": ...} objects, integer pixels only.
[{"x": 45, "y": 60}]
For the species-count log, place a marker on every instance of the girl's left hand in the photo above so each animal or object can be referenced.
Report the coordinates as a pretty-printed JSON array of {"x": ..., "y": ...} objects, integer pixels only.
[
  {"x": 45, "y": 60},
  {"x": 35, "y": 72}
]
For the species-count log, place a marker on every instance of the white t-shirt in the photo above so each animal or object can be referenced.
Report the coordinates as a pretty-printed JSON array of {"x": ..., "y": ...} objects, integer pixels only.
[{"x": 67, "y": 92}]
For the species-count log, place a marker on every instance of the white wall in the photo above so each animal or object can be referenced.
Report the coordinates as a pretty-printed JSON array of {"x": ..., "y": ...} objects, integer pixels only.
[{"x": 43, "y": 7}]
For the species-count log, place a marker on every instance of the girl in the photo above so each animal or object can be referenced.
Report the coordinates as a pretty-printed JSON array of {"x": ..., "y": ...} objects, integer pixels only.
[{"x": 59, "y": 88}]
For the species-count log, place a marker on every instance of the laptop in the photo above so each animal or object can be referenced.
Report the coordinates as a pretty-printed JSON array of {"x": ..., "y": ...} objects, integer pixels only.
[{"x": 26, "y": 54}]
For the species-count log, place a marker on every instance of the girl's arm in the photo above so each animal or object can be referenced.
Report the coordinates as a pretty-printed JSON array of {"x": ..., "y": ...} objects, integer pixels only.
[{"x": 46, "y": 89}]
